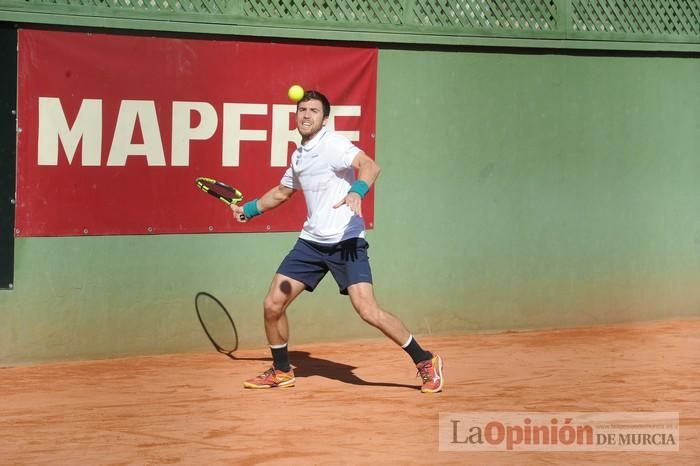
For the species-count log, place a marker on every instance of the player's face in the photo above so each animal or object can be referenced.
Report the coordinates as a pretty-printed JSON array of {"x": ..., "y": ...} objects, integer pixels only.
[{"x": 310, "y": 118}]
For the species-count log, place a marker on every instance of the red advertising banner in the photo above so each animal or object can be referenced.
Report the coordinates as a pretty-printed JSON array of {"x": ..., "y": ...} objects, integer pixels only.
[{"x": 114, "y": 129}]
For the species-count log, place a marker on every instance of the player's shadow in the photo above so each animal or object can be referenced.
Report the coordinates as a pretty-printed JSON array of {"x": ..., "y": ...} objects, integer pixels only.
[{"x": 306, "y": 365}]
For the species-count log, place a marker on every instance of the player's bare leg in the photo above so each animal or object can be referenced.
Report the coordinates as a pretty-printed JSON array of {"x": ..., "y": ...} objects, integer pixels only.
[
  {"x": 429, "y": 365},
  {"x": 364, "y": 302},
  {"x": 283, "y": 290}
]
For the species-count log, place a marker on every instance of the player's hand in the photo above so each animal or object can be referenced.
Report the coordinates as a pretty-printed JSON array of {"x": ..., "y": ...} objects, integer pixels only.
[
  {"x": 238, "y": 213},
  {"x": 352, "y": 200}
]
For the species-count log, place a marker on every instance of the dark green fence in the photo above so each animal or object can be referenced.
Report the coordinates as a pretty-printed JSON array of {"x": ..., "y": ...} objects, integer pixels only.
[{"x": 410, "y": 21}]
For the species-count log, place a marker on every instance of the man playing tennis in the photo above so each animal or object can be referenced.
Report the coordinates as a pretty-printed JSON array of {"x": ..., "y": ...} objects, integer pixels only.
[{"x": 332, "y": 239}]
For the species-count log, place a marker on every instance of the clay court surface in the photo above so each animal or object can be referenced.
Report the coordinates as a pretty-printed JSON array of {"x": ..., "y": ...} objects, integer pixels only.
[{"x": 354, "y": 403}]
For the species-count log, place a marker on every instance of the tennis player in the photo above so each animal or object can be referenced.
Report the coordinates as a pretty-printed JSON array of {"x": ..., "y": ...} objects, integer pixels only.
[{"x": 332, "y": 239}]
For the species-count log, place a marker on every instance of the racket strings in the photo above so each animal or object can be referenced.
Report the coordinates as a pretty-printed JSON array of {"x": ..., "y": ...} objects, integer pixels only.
[
  {"x": 217, "y": 323},
  {"x": 221, "y": 190}
]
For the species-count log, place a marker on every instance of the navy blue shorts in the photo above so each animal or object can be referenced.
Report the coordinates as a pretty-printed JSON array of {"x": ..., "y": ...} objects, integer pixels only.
[{"x": 308, "y": 262}]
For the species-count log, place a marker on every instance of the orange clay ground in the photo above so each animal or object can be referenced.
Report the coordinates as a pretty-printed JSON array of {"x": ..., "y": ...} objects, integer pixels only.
[{"x": 354, "y": 403}]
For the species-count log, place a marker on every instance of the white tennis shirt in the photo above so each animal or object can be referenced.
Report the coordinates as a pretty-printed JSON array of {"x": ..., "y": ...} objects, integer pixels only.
[{"x": 322, "y": 169}]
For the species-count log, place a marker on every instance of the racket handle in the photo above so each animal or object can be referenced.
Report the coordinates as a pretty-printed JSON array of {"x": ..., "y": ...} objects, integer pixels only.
[{"x": 241, "y": 216}]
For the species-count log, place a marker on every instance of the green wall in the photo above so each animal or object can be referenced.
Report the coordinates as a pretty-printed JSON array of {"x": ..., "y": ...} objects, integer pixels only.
[
  {"x": 519, "y": 190},
  {"x": 557, "y": 189}
]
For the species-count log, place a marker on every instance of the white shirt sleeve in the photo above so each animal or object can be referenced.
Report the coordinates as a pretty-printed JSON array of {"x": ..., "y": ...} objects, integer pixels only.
[
  {"x": 289, "y": 180},
  {"x": 344, "y": 153}
]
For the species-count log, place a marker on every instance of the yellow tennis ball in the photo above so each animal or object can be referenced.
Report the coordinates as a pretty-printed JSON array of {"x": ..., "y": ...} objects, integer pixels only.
[{"x": 296, "y": 93}]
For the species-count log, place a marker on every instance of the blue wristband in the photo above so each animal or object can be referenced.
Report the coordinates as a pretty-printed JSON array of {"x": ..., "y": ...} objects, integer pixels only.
[
  {"x": 360, "y": 187},
  {"x": 250, "y": 209}
]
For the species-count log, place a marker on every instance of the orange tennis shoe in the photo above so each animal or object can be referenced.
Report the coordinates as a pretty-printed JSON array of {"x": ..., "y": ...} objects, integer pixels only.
[
  {"x": 430, "y": 371},
  {"x": 272, "y": 378}
]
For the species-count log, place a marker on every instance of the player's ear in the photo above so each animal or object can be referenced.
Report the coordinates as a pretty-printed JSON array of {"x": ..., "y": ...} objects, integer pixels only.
[{"x": 325, "y": 120}]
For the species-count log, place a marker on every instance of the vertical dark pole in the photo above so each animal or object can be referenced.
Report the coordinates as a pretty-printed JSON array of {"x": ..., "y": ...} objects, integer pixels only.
[{"x": 8, "y": 151}]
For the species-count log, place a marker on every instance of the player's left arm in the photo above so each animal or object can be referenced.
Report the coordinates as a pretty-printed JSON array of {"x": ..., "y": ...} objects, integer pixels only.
[{"x": 367, "y": 172}]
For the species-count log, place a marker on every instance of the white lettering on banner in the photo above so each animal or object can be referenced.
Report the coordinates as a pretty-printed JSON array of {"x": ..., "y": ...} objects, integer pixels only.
[
  {"x": 345, "y": 111},
  {"x": 233, "y": 134},
  {"x": 145, "y": 112},
  {"x": 183, "y": 133},
  {"x": 54, "y": 129},
  {"x": 282, "y": 135}
]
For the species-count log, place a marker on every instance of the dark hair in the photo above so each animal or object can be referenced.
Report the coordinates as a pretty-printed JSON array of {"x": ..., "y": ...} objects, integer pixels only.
[{"x": 315, "y": 95}]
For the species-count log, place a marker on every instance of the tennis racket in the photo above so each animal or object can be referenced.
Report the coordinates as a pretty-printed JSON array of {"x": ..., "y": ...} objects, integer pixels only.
[
  {"x": 217, "y": 323},
  {"x": 228, "y": 194},
  {"x": 225, "y": 193}
]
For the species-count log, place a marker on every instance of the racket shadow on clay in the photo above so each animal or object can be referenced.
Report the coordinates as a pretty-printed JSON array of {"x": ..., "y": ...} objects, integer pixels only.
[{"x": 218, "y": 325}]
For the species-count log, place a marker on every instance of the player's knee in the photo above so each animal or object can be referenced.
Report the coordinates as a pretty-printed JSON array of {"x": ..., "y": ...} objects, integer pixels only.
[
  {"x": 369, "y": 313},
  {"x": 273, "y": 308}
]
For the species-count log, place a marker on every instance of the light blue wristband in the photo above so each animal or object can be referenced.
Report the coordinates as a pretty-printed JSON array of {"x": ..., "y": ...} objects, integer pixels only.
[
  {"x": 359, "y": 187},
  {"x": 250, "y": 209}
]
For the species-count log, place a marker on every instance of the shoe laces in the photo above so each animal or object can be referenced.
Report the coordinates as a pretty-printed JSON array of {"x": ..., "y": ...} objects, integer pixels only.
[{"x": 424, "y": 371}]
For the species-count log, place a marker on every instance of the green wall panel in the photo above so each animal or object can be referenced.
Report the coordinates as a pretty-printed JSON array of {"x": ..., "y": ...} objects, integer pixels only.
[
  {"x": 556, "y": 189},
  {"x": 519, "y": 190}
]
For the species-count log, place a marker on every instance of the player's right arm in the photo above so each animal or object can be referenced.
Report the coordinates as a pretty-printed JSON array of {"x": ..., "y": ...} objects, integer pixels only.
[{"x": 268, "y": 201}]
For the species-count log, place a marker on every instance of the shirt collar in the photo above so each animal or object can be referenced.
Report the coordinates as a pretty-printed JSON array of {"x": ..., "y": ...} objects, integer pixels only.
[{"x": 315, "y": 140}]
